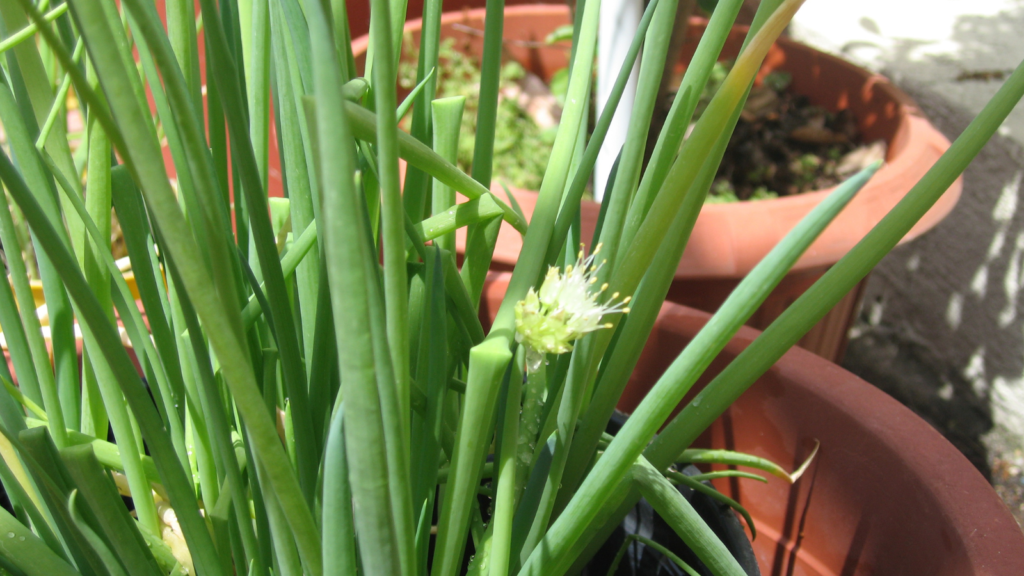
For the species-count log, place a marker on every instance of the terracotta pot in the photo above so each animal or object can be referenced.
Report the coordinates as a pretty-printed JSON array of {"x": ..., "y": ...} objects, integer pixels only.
[
  {"x": 886, "y": 494},
  {"x": 729, "y": 239}
]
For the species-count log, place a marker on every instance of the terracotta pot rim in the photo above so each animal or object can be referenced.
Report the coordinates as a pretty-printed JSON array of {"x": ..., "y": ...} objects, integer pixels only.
[{"x": 990, "y": 536}]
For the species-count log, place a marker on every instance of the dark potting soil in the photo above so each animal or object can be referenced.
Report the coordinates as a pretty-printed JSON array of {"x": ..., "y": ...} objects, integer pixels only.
[
  {"x": 638, "y": 559},
  {"x": 784, "y": 145}
]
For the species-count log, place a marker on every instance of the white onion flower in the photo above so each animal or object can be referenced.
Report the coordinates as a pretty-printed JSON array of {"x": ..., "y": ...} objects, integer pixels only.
[{"x": 565, "y": 308}]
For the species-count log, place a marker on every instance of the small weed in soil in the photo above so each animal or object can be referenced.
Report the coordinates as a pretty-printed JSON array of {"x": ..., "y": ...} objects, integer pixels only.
[{"x": 527, "y": 120}]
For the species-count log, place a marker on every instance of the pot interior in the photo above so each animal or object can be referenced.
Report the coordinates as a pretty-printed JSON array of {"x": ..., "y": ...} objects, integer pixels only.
[{"x": 827, "y": 81}]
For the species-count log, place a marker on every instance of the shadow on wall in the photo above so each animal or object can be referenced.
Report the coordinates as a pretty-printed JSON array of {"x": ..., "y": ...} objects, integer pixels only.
[{"x": 942, "y": 327}]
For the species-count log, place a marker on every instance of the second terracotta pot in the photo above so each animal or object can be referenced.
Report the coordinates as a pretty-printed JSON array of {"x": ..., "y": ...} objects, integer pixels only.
[{"x": 729, "y": 239}]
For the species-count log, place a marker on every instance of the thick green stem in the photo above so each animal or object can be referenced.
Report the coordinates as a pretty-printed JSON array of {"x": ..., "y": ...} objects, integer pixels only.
[
  {"x": 447, "y": 123},
  {"x": 487, "y": 363},
  {"x": 481, "y": 237},
  {"x": 505, "y": 498}
]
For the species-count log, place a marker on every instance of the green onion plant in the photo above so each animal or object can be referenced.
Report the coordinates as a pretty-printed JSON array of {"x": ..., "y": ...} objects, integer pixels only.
[{"x": 304, "y": 386}]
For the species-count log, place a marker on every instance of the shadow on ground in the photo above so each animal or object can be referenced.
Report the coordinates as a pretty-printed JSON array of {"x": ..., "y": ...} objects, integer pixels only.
[{"x": 942, "y": 327}]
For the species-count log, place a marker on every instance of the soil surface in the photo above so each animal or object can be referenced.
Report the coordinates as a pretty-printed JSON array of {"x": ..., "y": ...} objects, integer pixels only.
[{"x": 784, "y": 145}]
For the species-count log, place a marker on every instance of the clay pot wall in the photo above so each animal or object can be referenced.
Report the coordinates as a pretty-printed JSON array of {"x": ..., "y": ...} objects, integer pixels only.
[
  {"x": 728, "y": 240},
  {"x": 886, "y": 494}
]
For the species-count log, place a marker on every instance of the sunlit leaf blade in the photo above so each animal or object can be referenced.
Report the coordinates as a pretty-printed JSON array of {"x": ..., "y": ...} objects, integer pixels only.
[
  {"x": 348, "y": 264},
  {"x": 27, "y": 552}
]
